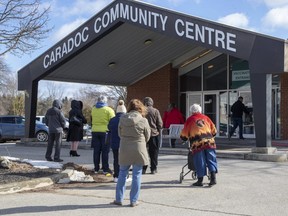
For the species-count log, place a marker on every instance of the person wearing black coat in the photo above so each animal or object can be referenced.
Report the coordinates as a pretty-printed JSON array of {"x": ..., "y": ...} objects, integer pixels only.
[
  {"x": 75, "y": 132},
  {"x": 237, "y": 110}
]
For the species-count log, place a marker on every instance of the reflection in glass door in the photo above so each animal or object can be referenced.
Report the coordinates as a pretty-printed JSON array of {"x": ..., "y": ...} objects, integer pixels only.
[
  {"x": 223, "y": 114},
  {"x": 211, "y": 107},
  {"x": 195, "y": 98},
  {"x": 248, "y": 120}
]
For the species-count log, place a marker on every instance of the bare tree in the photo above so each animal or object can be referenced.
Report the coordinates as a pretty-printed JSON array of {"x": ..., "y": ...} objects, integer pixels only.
[
  {"x": 54, "y": 91},
  {"x": 23, "y": 24},
  {"x": 12, "y": 101},
  {"x": 117, "y": 92},
  {"x": 8, "y": 79}
]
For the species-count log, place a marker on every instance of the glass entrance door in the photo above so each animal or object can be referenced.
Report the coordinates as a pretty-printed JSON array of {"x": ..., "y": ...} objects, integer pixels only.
[
  {"x": 211, "y": 107},
  {"x": 275, "y": 113},
  {"x": 209, "y": 103}
]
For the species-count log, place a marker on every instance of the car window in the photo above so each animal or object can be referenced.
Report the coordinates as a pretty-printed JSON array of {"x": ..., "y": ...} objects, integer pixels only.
[
  {"x": 20, "y": 120},
  {"x": 8, "y": 120}
]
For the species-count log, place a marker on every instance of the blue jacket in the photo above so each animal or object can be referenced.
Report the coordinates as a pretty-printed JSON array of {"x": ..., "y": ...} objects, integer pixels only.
[{"x": 113, "y": 129}]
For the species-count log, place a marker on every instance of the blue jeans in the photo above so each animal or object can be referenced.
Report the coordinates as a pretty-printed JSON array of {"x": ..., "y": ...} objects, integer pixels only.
[
  {"x": 237, "y": 122},
  {"x": 136, "y": 183},
  {"x": 203, "y": 159},
  {"x": 101, "y": 148}
]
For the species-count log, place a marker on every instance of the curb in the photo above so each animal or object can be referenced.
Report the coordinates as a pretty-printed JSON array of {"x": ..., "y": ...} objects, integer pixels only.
[
  {"x": 31, "y": 184},
  {"x": 220, "y": 153}
]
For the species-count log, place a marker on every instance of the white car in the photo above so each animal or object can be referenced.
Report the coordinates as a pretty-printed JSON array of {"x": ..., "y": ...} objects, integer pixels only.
[{"x": 65, "y": 130}]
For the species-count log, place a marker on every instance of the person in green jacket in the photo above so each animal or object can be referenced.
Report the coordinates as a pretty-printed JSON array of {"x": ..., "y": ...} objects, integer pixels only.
[{"x": 101, "y": 115}]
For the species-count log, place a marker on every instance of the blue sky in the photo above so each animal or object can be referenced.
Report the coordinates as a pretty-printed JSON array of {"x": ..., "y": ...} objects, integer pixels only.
[{"x": 268, "y": 17}]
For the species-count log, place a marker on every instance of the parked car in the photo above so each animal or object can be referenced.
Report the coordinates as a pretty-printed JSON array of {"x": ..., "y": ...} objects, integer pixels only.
[
  {"x": 87, "y": 130},
  {"x": 65, "y": 129},
  {"x": 12, "y": 127}
]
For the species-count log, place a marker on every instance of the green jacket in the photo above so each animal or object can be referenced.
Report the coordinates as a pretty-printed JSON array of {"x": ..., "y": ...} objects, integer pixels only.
[{"x": 101, "y": 117}]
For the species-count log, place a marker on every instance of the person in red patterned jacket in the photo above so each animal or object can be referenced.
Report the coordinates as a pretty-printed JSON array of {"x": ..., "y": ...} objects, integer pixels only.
[
  {"x": 172, "y": 116},
  {"x": 200, "y": 131}
]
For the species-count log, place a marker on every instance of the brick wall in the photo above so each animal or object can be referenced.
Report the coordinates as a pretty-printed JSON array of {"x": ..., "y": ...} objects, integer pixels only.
[
  {"x": 284, "y": 106},
  {"x": 161, "y": 86}
]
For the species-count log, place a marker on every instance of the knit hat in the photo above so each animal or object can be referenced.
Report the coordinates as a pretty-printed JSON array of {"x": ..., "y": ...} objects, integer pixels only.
[
  {"x": 148, "y": 101},
  {"x": 121, "y": 107},
  {"x": 195, "y": 108}
]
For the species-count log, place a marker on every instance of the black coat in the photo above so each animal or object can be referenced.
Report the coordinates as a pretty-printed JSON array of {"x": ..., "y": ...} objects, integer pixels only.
[
  {"x": 75, "y": 132},
  {"x": 238, "y": 108}
]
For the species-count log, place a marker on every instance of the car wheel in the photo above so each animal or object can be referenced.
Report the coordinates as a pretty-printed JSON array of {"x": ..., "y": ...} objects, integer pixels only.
[{"x": 42, "y": 136}]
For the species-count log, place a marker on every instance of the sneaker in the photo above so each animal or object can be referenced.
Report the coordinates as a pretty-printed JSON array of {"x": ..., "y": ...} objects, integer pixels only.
[
  {"x": 154, "y": 171},
  {"x": 116, "y": 203},
  {"x": 128, "y": 179},
  {"x": 49, "y": 159},
  {"x": 115, "y": 179},
  {"x": 108, "y": 174},
  {"x": 133, "y": 204}
]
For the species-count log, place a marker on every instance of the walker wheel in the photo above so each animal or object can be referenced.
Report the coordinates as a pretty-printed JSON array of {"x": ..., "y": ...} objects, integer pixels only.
[
  {"x": 194, "y": 175},
  {"x": 181, "y": 177}
]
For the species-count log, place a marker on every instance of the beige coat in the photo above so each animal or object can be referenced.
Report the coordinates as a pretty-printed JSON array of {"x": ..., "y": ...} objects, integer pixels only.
[{"x": 134, "y": 132}]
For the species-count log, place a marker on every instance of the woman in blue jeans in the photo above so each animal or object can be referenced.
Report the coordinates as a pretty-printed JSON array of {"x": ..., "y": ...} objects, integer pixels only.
[{"x": 134, "y": 132}]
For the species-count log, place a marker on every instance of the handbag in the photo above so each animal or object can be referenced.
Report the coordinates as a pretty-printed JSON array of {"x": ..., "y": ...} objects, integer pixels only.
[{"x": 76, "y": 121}]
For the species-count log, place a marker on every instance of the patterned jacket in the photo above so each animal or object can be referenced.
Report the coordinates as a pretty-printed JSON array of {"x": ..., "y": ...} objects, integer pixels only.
[{"x": 200, "y": 131}]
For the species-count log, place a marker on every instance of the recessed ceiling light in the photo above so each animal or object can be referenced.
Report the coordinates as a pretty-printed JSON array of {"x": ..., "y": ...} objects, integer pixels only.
[
  {"x": 210, "y": 66},
  {"x": 111, "y": 64},
  {"x": 148, "y": 42}
]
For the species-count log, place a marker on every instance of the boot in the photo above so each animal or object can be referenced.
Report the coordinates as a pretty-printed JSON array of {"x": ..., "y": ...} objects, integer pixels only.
[
  {"x": 144, "y": 169},
  {"x": 199, "y": 182},
  {"x": 76, "y": 154},
  {"x": 213, "y": 179}
]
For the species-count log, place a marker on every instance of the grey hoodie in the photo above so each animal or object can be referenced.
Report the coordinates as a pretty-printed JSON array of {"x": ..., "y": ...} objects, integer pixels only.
[{"x": 54, "y": 118}]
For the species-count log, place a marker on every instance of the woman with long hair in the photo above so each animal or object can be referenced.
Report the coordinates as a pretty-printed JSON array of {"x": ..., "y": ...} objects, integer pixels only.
[{"x": 134, "y": 132}]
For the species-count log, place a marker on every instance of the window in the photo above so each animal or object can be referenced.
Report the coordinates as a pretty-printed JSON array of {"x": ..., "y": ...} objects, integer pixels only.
[
  {"x": 191, "y": 81},
  {"x": 215, "y": 73},
  {"x": 239, "y": 73},
  {"x": 8, "y": 120}
]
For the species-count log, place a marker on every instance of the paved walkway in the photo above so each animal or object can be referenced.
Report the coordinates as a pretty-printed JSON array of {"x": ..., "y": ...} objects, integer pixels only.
[{"x": 245, "y": 187}]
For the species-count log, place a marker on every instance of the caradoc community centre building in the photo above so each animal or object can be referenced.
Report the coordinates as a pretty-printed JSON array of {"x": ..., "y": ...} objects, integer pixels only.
[{"x": 172, "y": 57}]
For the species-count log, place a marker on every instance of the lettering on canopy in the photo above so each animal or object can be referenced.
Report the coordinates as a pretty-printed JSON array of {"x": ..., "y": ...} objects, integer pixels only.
[{"x": 149, "y": 18}]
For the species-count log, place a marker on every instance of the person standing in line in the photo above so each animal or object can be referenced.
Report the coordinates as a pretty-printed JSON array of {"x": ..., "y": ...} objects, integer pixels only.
[
  {"x": 55, "y": 120},
  {"x": 200, "y": 131},
  {"x": 101, "y": 115},
  {"x": 115, "y": 139},
  {"x": 172, "y": 116},
  {"x": 75, "y": 132},
  {"x": 155, "y": 121},
  {"x": 237, "y": 110},
  {"x": 134, "y": 132}
]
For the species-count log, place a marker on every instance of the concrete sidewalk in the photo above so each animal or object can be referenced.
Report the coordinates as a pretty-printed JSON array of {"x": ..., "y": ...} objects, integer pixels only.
[{"x": 245, "y": 187}]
